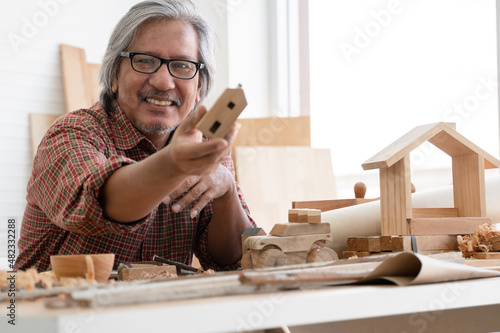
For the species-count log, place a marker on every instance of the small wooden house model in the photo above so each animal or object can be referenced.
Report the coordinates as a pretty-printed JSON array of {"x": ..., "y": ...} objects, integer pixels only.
[{"x": 468, "y": 165}]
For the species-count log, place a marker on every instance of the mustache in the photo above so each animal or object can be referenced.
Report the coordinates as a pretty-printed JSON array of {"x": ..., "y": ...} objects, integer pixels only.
[{"x": 160, "y": 95}]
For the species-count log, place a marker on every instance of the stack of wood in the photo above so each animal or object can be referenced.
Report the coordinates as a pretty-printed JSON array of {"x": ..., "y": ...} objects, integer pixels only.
[
  {"x": 363, "y": 246},
  {"x": 302, "y": 240}
]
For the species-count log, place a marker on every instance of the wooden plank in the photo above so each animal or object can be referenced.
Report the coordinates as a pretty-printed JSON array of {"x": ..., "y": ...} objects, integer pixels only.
[
  {"x": 434, "y": 212},
  {"x": 455, "y": 144},
  {"x": 39, "y": 124},
  {"x": 296, "y": 229},
  {"x": 274, "y": 131},
  {"x": 425, "y": 243},
  {"x": 352, "y": 244},
  {"x": 482, "y": 262},
  {"x": 446, "y": 226},
  {"x": 395, "y": 198},
  {"x": 146, "y": 272},
  {"x": 442, "y": 135},
  {"x": 469, "y": 191},
  {"x": 76, "y": 78},
  {"x": 95, "y": 87},
  {"x": 223, "y": 113},
  {"x": 403, "y": 146},
  {"x": 272, "y": 177},
  {"x": 486, "y": 255},
  {"x": 326, "y": 205}
]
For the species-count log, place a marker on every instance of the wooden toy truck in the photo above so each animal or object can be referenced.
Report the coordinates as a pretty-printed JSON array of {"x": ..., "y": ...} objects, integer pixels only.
[{"x": 302, "y": 240}]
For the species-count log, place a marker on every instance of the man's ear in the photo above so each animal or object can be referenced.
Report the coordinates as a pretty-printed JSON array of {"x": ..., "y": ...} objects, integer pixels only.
[
  {"x": 114, "y": 86},
  {"x": 197, "y": 100}
]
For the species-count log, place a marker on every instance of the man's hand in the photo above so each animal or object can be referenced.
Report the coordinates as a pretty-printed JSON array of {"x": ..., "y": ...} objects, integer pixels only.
[
  {"x": 202, "y": 188},
  {"x": 187, "y": 155}
]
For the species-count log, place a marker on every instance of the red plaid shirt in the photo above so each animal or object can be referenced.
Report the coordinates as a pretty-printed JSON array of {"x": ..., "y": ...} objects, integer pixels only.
[{"x": 63, "y": 215}]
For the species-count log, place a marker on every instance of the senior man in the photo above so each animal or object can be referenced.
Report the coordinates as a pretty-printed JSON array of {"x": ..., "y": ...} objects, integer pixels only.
[{"x": 132, "y": 175}]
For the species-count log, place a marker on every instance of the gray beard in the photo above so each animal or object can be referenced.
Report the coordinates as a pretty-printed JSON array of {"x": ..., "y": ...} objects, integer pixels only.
[{"x": 156, "y": 129}]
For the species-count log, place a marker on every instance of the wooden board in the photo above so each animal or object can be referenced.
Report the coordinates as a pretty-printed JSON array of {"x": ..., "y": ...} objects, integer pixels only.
[
  {"x": 274, "y": 131},
  {"x": 486, "y": 255},
  {"x": 442, "y": 135},
  {"x": 326, "y": 205},
  {"x": 446, "y": 226},
  {"x": 272, "y": 177},
  {"x": 39, "y": 124},
  {"x": 79, "y": 78},
  {"x": 295, "y": 229}
]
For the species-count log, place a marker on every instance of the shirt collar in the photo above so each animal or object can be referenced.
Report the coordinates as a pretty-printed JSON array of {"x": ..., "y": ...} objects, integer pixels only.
[{"x": 126, "y": 136}]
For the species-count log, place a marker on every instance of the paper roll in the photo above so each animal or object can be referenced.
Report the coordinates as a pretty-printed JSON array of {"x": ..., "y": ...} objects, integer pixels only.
[{"x": 364, "y": 219}]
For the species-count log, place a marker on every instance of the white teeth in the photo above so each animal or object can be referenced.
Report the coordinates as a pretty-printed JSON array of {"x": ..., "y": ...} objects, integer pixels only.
[{"x": 160, "y": 103}]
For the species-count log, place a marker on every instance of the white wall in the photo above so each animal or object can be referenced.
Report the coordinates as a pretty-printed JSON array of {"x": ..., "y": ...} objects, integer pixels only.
[{"x": 30, "y": 75}]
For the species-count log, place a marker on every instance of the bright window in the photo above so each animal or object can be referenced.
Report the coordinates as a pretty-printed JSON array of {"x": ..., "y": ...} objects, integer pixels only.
[{"x": 381, "y": 68}]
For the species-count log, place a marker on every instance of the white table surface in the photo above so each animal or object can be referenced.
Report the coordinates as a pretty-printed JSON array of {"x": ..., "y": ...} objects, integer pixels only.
[{"x": 260, "y": 311}]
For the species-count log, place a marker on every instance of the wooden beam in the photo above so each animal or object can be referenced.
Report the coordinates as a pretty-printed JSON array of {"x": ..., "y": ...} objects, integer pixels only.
[
  {"x": 395, "y": 198},
  {"x": 446, "y": 226},
  {"x": 425, "y": 243},
  {"x": 468, "y": 185},
  {"x": 297, "y": 229},
  {"x": 434, "y": 212},
  {"x": 326, "y": 205}
]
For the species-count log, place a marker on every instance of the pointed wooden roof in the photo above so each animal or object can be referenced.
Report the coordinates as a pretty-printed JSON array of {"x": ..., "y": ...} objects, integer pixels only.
[{"x": 442, "y": 135}]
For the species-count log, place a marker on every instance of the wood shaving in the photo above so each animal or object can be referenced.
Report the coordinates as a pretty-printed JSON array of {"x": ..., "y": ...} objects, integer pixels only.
[{"x": 479, "y": 241}]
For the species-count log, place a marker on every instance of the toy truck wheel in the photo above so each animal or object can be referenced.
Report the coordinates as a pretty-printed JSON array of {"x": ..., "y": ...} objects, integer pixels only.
[
  {"x": 271, "y": 258},
  {"x": 321, "y": 254}
]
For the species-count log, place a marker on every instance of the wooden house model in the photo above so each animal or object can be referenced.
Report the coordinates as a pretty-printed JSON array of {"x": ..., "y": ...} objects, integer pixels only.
[{"x": 468, "y": 165}]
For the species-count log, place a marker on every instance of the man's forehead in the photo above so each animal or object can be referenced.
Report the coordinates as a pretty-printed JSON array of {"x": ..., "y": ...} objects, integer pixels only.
[{"x": 156, "y": 36}]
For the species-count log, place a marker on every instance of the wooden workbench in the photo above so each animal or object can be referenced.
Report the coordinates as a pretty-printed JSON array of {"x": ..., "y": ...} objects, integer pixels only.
[{"x": 465, "y": 306}]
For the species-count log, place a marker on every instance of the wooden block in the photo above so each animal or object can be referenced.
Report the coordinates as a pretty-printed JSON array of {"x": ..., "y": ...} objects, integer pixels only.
[
  {"x": 400, "y": 244},
  {"x": 368, "y": 244},
  {"x": 385, "y": 243},
  {"x": 425, "y": 243},
  {"x": 146, "y": 272},
  {"x": 221, "y": 116},
  {"x": 309, "y": 216},
  {"x": 446, "y": 226},
  {"x": 352, "y": 244},
  {"x": 293, "y": 215},
  {"x": 304, "y": 215},
  {"x": 297, "y": 229},
  {"x": 486, "y": 255}
]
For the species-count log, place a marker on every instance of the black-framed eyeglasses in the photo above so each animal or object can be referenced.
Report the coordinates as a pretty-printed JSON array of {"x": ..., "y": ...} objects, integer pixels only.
[{"x": 149, "y": 64}]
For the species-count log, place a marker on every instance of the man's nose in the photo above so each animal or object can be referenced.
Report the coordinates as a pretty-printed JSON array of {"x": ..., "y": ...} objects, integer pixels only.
[{"x": 162, "y": 79}]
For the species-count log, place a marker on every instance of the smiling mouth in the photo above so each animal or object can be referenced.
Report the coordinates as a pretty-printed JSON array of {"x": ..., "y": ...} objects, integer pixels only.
[{"x": 160, "y": 103}]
